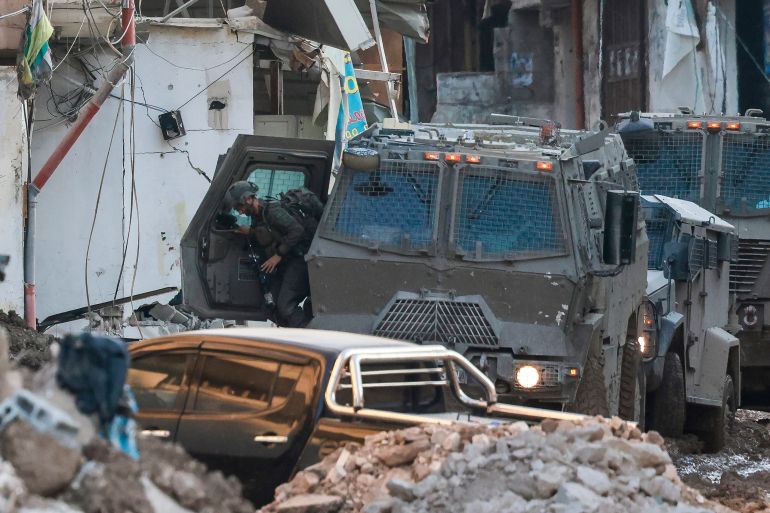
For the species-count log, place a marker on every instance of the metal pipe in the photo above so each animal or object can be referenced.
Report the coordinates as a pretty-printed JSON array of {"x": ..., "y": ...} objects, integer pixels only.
[
  {"x": 30, "y": 314},
  {"x": 383, "y": 60},
  {"x": 178, "y": 10},
  {"x": 128, "y": 41},
  {"x": 576, "y": 6}
]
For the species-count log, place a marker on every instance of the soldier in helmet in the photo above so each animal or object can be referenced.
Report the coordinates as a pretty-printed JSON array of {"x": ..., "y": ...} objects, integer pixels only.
[{"x": 283, "y": 241}]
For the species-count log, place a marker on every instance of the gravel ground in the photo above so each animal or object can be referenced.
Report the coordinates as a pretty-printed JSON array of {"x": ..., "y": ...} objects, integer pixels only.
[{"x": 739, "y": 475}]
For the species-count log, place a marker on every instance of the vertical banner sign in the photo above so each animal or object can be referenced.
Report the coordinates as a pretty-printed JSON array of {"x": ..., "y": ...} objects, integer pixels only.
[{"x": 354, "y": 122}]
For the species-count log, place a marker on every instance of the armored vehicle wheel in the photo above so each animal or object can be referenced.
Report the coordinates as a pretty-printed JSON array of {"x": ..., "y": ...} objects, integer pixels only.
[
  {"x": 591, "y": 397},
  {"x": 632, "y": 384},
  {"x": 667, "y": 404},
  {"x": 717, "y": 420}
]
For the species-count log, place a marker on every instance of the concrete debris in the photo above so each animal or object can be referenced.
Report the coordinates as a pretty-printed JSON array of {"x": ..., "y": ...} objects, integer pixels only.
[
  {"x": 601, "y": 465},
  {"x": 27, "y": 347},
  {"x": 25, "y": 448},
  {"x": 42, "y": 471}
]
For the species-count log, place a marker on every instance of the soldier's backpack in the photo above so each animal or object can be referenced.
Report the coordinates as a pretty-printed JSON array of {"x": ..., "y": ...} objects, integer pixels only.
[
  {"x": 302, "y": 202},
  {"x": 306, "y": 207}
]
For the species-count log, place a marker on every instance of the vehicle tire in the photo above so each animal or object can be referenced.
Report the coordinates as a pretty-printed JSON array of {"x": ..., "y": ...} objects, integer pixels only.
[
  {"x": 591, "y": 397},
  {"x": 361, "y": 159},
  {"x": 717, "y": 420},
  {"x": 630, "y": 401},
  {"x": 667, "y": 405}
]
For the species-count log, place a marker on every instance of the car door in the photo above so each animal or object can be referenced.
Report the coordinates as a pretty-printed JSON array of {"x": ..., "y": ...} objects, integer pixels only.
[
  {"x": 160, "y": 381},
  {"x": 250, "y": 414},
  {"x": 218, "y": 277}
]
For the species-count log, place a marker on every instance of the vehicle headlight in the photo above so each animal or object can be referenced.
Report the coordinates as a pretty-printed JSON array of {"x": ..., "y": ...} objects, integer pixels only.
[{"x": 527, "y": 376}]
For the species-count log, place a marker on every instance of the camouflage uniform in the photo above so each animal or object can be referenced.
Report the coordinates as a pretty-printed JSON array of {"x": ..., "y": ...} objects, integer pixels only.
[{"x": 278, "y": 232}]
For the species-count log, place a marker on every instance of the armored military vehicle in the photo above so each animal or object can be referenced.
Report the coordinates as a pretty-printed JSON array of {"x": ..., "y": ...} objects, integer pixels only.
[
  {"x": 519, "y": 246},
  {"x": 722, "y": 164},
  {"x": 692, "y": 365}
]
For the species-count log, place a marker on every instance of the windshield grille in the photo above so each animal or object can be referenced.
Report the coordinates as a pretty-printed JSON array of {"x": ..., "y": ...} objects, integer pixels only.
[
  {"x": 745, "y": 171},
  {"x": 429, "y": 320},
  {"x": 501, "y": 213},
  {"x": 668, "y": 163},
  {"x": 392, "y": 207}
]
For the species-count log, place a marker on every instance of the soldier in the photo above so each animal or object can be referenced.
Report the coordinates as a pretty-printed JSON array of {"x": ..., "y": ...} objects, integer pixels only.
[{"x": 284, "y": 241}]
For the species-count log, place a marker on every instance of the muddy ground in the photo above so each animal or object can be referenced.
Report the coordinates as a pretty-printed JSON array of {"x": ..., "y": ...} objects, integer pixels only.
[{"x": 739, "y": 475}]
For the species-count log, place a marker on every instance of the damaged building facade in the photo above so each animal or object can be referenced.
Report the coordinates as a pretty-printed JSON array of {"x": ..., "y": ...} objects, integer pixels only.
[
  {"x": 580, "y": 61},
  {"x": 109, "y": 220}
]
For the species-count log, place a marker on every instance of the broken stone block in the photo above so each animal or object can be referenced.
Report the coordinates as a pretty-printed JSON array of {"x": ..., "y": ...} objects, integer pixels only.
[
  {"x": 593, "y": 479},
  {"x": 574, "y": 493},
  {"x": 311, "y": 503},
  {"x": 25, "y": 448},
  {"x": 661, "y": 487},
  {"x": 401, "y": 489},
  {"x": 396, "y": 455},
  {"x": 188, "y": 489}
]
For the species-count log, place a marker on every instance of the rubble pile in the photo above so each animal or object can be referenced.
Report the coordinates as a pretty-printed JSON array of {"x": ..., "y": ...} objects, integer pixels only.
[
  {"x": 598, "y": 465},
  {"x": 27, "y": 347},
  {"x": 53, "y": 460}
]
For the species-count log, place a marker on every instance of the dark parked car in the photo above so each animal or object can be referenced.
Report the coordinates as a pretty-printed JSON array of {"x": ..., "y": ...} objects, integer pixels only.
[{"x": 262, "y": 403}]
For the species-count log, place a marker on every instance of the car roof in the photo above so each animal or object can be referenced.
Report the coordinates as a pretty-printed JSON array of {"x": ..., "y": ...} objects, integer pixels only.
[{"x": 327, "y": 342}]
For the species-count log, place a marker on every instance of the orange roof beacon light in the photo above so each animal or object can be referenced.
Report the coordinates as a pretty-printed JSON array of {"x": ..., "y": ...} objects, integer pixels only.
[
  {"x": 472, "y": 159},
  {"x": 431, "y": 156},
  {"x": 714, "y": 125},
  {"x": 452, "y": 157},
  {"x": 544, "y": 165},
  {"x": 733, "y": 126},
  {"x": 694, "y": 124}
]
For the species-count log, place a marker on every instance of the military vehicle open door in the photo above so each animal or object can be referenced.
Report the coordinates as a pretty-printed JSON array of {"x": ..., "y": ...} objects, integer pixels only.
[{"x": 219, "y": 279}]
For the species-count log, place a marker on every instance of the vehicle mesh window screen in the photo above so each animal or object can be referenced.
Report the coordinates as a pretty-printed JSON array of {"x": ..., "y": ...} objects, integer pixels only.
[
  {"x": 500, "y": 213},
  {"x": 393, "y": 207},
  {"x": 659, "y": 226},
  {"x": 271, "y": 183},
  {"x": 746, "y": 171},
  {"x": 668, "y": 163}
]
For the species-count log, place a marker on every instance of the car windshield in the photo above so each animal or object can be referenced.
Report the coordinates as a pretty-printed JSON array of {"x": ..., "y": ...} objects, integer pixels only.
[
  {"x": 506, "y": 214},
  {"x": 392, "y": 207}
]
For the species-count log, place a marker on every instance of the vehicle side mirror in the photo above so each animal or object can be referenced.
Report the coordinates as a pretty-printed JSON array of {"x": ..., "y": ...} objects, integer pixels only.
[
  {"x": 677, "y": 258},
  {"x": 620, "y": 219}
]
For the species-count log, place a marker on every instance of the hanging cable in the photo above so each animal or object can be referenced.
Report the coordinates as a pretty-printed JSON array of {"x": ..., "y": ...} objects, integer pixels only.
[
  {"x": 743, "y": 44},
  {"x": 20, "y": 11},
  {"x": 98, "y": 201},
  {"x": 220, "y": 77}
]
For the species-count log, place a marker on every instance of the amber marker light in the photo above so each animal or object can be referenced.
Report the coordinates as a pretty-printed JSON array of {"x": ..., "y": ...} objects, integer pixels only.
[
  {"x": 452, "y": 157},
  {"x": 694, "y": 124},
  {"x": 431, "y": 156},
  {"x": 733, "y": 126},
  {"x": 544, "y": 166},
  {"x": 472, "y": 159},
  {"x": 714, "y": 125},
  {"x": 573, "y": 372}
]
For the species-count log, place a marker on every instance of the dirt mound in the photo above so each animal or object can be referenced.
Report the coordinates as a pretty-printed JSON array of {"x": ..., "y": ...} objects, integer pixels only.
[
  {"x": 27, "y": 347},
  {"x": 598, "y": 465},
  {"x": 738, "y": 475}
]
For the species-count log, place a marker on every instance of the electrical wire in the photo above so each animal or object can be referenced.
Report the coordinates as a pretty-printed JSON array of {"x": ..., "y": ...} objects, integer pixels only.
[
  {"x": 20, "y": 11},
  {"x": 743, "y": 44},
  {"x": 156, "y": 54},
  {"x": 220, "y": 77},
  {"x": 71, "y": 46},
  {"x": 98, "y": 201}
]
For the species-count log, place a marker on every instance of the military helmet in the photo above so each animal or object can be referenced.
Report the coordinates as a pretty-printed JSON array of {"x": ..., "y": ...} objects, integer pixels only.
[{"x": 239, "y": 192}]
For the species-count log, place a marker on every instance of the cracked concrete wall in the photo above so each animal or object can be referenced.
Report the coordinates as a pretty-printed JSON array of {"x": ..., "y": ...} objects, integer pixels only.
[
  {"x": 13, "y": 171},
  {"x": 176, "y": 64}
]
